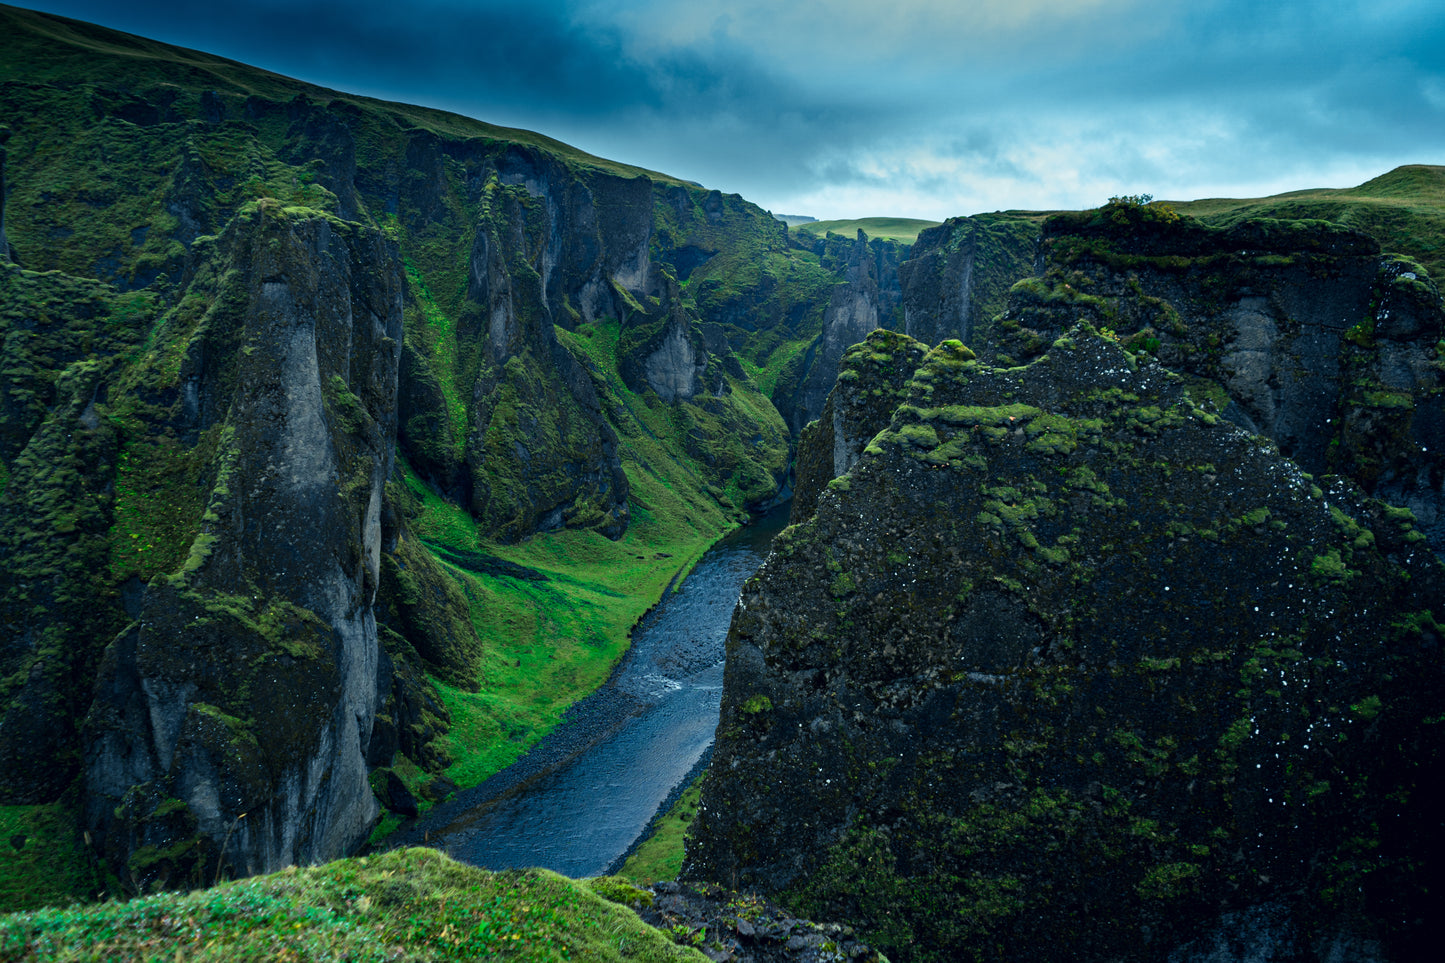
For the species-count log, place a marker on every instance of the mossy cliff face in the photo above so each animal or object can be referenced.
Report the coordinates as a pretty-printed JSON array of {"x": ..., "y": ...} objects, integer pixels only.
[
  {"x": 62, "y": 336},
  {"x": 259, "y": 338},
  {"x": 235, "y": 711},
  {"x": 1298, "y": 330},
  {"x": 867, "y": 299},
  {"x": 957, "y": 276},
  {"x": 1066, "y": 667},
  {"x": 872, "y": 382}
]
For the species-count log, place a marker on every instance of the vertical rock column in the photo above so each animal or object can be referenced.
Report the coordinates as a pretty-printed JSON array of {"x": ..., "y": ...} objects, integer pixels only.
[{"x": 232, "y": 717}]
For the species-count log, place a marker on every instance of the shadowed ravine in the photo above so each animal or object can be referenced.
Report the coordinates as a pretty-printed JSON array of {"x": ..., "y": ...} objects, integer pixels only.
[{"x": 579, "y": 799}]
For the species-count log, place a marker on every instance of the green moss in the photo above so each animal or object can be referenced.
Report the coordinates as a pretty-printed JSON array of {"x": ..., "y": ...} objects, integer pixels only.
[
  {"x": 44, "y": 859},
  {"x": 1167, "y": 880},
  {"x": 415, "y": 902},
  {"x": 1367, "y": 708}
]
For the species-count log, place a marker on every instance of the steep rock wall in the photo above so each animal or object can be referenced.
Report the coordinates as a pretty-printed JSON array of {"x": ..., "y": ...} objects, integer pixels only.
[
  {"x": 237, "y": 709},
  {"x": 855, "y": 307},
  {"x": 1066, "y": 667},
  {"x": 958, "y": 274},
  {"x": 872, "y": 381},
  {"x": 1300, "y": 331}
]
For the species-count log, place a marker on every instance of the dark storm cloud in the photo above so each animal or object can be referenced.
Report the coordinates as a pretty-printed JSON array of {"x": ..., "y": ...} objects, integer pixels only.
[
  {"x": 522, "y": 56},
  {"x": 927, "y": 107}
]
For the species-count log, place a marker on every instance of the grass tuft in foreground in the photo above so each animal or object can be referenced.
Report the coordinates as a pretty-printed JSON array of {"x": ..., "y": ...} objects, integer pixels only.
[{"x": 411, "y": 904}]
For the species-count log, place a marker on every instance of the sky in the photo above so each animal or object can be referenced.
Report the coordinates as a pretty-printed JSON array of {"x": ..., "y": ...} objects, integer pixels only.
[{"x": 905, "y": 108}]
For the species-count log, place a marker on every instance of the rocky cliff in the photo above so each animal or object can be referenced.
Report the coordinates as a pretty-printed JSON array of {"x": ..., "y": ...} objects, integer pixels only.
[
  {"x": 238, "y": 705},
  {"x": 1066, "y": 667},
  {"x": 1299, "y": 330},
  {"x": 283, "y": 369},
  {"x": 868, "y": 298},
  {"x": 1078, "y": 659},
  {"x": 958, "y": 274}
]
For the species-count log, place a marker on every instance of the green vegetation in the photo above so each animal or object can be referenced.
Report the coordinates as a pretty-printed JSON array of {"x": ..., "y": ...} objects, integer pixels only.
[
  {"x": 1403, "y": 209},
  {"x": 904, "y": 230},
  {"x": 53, "y": 50},
  {"x": 44, "y": 857},
  {"x": 205, "y": 172},
  {"x": 548, "y": 641},
  {"x": 407, "y": 904},
  {"x": 660, "y": 855}
]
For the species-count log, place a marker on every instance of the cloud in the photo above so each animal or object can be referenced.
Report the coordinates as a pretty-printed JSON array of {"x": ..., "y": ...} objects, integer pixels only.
[{"x": 860, "y": 108}]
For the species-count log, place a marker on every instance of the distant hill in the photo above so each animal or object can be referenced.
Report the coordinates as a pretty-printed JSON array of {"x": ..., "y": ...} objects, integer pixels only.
[
  {"x": 1404, "y": 210},
  {"x": 793, "y": 220},
  {"x": 902, "y": 229}
]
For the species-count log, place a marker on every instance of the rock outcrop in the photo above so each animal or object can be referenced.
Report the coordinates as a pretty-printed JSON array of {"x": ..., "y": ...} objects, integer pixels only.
[
  {"x": 1067, "y": 667},
  {"x": 1299, "y": 330},
  {"x": 855, "y": 307},
  {"x": 232, "y": 718},
  {"x": 958, "y": 274},
  {"x": 872, "y": 381}
]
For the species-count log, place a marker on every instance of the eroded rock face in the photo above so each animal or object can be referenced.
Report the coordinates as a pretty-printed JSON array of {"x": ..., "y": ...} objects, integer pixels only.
[
  {"x": 232, "y": 718},
  {"x": 539, "y": 454},
  {"x": 674, "y": 370},
  {"x": 1066, "y": 667},
  {"x": 872, "y": 381},
  {"x": 854, "y": 309},
  {"x": 958, "y": 275},
  {"x": 1301, "y": 331}
]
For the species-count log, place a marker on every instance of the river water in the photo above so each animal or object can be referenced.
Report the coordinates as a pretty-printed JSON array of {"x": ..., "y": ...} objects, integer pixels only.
[{"x": 578, "y": 799}]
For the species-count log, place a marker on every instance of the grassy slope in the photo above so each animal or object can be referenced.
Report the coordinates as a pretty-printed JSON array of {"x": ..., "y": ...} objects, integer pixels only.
[
  {"x": 902, "y": 229},
  {"x": 1403, "y": 209},
  {"x": 58, "y": 50},
  {"x": 660, "y": 855},
  {"x": 408, "y": 904}
]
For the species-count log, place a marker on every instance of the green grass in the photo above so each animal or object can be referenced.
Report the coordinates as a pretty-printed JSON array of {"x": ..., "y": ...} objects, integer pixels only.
[
  {"x": 660, "y": 856},
  {"x": 904, "y": 230},
  {"x": 548, "y": 643},
  {"x": 1403, "y": 209},
  {"x": 45, "y": 49},
  {"x": 410, "y": 904},
  {"x": 42, "y": 857},
  {"x": 440, "y": 337}
]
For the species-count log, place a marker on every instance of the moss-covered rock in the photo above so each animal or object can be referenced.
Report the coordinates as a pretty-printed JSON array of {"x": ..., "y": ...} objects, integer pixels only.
[
  {"x": 248, "y": 683},
  {"x": 1298, "y": 330},
  {"x": 1055, "y": 673},
  {"x": 247, "y": 298},
  {"x": 872, "y": 381}
]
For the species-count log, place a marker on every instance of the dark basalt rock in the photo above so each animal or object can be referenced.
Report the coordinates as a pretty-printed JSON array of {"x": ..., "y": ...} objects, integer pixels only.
[
  {"x": 236, "y": 710},
  {"x": 1299, "y": 330},
  {"x": 872, "y": 381},
  {"x": 855, "y": 308},
  {"x": 1066, "y": 667},
  {"x": 732, "y": 927}
]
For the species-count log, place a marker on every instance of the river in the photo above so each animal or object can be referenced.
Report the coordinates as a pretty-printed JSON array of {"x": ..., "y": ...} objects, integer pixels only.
[{"x": 578, "y": 799}]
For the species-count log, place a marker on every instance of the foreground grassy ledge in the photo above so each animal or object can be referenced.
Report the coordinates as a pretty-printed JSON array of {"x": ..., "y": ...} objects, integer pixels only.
[{"x": 405, "y": 905}]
